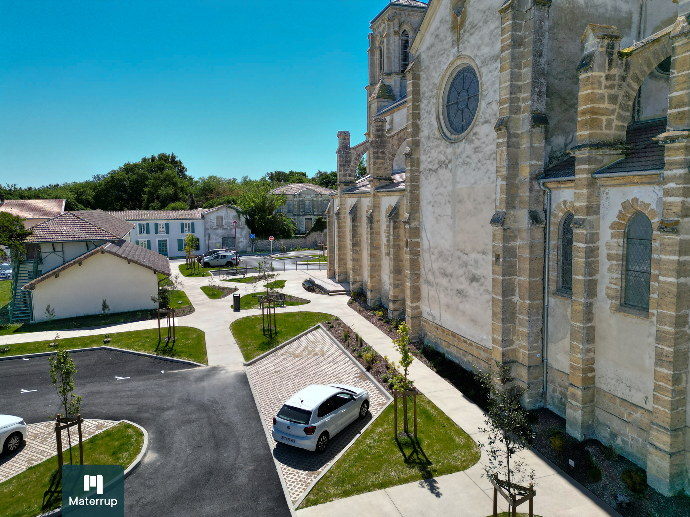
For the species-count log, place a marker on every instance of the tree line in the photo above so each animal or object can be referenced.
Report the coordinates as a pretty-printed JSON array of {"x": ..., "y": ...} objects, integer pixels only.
[{"x": 162, "y": 182}]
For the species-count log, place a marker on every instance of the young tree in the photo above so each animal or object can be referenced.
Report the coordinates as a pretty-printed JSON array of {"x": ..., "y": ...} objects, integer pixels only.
[
  {"x": 508, "y": 429},
  {"x": 402, "y": 344},
  {"x": 62, "y": 371},
  {"x": 12, "y": 236}
]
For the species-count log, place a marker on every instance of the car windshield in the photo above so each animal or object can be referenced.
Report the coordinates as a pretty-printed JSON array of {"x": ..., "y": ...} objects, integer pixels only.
[{"x": 293, "y": 414}]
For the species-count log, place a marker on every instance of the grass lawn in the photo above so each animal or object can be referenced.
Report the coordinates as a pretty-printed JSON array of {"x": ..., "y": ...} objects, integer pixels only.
[
  {"x": 5, "y": 292},
  {"x": 190, "y": 344},
  {"x": 276, "y": 284},
  {"x": 249, "y": 336},
  {"x": 212, "y": 292},
  {"x": 188, "y": 272},
  {"x": 246, "y": 280},
  {"x": 315, "y": 259},
  {"x": 39, "y": 488},
  {"x": 378, "y": 461},
  {"x": 251, "y": 301}
]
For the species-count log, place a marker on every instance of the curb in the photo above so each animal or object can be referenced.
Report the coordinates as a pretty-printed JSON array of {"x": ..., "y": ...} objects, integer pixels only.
[
  {"x": 144, "y": 449},
  {"x": 269, "y": 438},
  {"x": 103, "y": 347}
]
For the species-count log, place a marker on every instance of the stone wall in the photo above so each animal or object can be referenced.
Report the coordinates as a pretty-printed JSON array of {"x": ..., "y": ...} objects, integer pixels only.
[
  {"x": 311, "y": 242},
  {"x": 465, "y": 352}
]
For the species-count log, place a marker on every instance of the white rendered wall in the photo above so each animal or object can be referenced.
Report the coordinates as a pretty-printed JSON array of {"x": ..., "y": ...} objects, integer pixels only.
[
  {"x": 80, "y": 290},
  {"x": 458, "y": 180}
]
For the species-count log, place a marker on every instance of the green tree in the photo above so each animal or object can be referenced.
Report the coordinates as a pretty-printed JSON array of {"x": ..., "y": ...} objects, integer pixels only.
[
  {"x": 326, "y": 179},
  {"x": 508, "y": 429},
  {"x": 12, "y": 235},
  {"x": 177, "y": 205},
  {"x": 287, "y": 177},
  {"x": 361, "y": 168},
  {"x": 62, "y": 371},
  {"x": 402, "y": 345},
  {"x": 260, "y": 206}
]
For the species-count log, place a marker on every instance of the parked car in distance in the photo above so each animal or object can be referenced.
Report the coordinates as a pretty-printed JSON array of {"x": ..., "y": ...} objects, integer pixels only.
[
  {"x": 5, "y": 271},
  {"x": 12, "y": 433},
  {"x": 221, "y": 259},
  {"x": 313, "y": 416}
]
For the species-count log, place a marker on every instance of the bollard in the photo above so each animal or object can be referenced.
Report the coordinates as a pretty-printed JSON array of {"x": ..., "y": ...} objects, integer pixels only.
[{"x": 236, "y": 302}]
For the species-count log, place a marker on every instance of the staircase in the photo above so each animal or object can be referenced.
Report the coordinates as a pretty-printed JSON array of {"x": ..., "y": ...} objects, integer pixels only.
[{"x": 21, "y": 310}]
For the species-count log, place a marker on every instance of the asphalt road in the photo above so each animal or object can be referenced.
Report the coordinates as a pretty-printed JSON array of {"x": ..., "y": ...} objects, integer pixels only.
[
  {"x": 207, "y": 448},
  {"x": 284, "y": 264}
]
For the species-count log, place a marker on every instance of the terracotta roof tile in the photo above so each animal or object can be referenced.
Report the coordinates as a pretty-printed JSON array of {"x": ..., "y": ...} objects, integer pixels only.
[
  {"x": 34, "y": 208},
  {"x": 296, "y": 188},
  {"x": 159, "y": 215},
  {"x": 83, "y": 225},
  {"x": 122, "y": 249}
]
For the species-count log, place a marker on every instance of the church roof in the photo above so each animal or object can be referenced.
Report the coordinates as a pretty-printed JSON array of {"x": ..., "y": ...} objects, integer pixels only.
[
  {"x": 415, "y": 4},
  {"x": 643, "y": 153},
  {"x": 363, "y": 185}
]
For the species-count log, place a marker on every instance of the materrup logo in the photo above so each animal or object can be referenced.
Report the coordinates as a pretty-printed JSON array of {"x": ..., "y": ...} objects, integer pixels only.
[{"x": 93, "y": 482}]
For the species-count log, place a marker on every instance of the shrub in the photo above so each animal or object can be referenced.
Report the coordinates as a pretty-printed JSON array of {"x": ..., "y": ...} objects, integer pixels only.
[
  {"x": 593, "y": 471},
  {"x": 635, "y": 480},
  {"x": 369, "y": 357},
  {"x": 346, "y": 336},
  {"x": 609, "y": 452},
  {"x": 557, "y": 439}
]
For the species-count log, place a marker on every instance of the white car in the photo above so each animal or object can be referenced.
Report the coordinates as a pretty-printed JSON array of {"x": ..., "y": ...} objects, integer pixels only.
[
  {"x": 225, "y": 258},
  {"x": 314, "y": 415},
  {"x": 12, "y": 433}
]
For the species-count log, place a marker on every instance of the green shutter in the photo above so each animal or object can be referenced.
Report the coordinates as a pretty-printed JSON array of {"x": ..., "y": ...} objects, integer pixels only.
[
  {"x": 148, "y": 244},
  {"x": 181, "y": 227},
  {"x": 155, "y": 228},
  {"x": 137, "y": 243},
  {"x": 148, "y": 229},
  {"x": 180, "y": 244},
  {"x": 167, "y": 228},
  {"x": 192, "y": 226}
]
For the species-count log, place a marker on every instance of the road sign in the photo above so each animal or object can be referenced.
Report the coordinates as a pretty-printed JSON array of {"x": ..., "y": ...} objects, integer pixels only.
[
  {"x": 234, "y": 222},
  {"x": 252, "y": 236},
  {"x": 270, "y": 238}
]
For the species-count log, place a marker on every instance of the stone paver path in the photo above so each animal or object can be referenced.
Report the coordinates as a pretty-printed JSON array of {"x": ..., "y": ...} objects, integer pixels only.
[
  {"x": 41, "y": 445},
  {"x": 312, "y": 359}
]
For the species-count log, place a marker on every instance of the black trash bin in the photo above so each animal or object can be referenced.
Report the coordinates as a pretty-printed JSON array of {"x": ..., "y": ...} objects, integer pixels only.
[{"x": 236, "y": 302}]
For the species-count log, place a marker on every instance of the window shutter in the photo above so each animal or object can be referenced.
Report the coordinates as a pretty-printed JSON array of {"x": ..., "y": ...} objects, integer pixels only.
[
  {"x": 180, "y": 245},
  {"x": 181, "y": 227},
  {"x": 137, "y": 243},
  {"x": 192, "y": 226},
  {"x": 198, "y": 241},
  {"x": 167, "y": 228},
  {"x": 148, "y": 230},
  {"x": 148, "y": 244}
]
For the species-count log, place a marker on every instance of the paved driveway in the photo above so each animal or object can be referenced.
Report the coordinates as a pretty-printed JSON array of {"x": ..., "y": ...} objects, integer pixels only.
[{"x": 207, "y": 451}]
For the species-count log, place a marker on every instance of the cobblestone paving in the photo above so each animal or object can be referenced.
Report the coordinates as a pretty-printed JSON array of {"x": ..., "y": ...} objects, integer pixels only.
[
  {"x": 313, "y": 359},
  {"x": 40, "y": 445}
]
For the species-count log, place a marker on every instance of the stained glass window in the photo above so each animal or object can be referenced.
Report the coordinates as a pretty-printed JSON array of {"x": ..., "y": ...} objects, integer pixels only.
[
  {"x": 462, "y": 100},
  {"x": 638, "y": 262}
]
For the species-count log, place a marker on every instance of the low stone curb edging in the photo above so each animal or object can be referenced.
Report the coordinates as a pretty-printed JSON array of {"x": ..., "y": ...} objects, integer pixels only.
[
  {"x": 103, "y": 347},
  {"x": 144, "y": 449}
]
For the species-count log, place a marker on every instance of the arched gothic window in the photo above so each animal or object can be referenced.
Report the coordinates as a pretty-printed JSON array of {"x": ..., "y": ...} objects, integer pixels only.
[
  {"x": 565, "y": 266},
  {"x": 404, "y": 51},
  {"x": 638, "y": 262}
]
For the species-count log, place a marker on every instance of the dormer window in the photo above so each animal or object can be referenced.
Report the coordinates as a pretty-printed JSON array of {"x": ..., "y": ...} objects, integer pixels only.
[{"x": 404, "y": 51}]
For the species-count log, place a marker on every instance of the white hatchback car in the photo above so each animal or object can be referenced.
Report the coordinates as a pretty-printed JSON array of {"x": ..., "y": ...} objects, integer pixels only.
[
  {"x": 12, "y": 432},
  {"x": 314, "y": 415}
]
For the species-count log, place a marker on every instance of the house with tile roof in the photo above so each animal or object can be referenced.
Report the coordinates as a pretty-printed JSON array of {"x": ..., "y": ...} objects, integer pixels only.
[
  {"x": 165, "y": 231},
  {"x": 304, "y": 203},
  {"x": 77, "y": 260},
  {"x": 33, "y": 211}
]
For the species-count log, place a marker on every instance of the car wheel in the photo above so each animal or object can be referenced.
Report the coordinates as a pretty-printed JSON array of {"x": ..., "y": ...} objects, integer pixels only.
[
  {"x": 228, "y": 264},
  {"x": 363, "y": 410},
  {"x": 206, "y": 264},
  {"x": 13, "y": 442},
  {"x": 322, "y": 442}
]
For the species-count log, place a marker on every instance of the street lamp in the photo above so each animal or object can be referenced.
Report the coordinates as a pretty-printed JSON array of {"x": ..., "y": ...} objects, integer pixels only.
[{"x": 234, "y": 223}]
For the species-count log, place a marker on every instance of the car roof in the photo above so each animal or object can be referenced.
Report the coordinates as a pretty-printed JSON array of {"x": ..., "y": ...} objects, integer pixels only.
[
  {"x": 9, "y": 419},
  {"x": 312, "y": 396}
]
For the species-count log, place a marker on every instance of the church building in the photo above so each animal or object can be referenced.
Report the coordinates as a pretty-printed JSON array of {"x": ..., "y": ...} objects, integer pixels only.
[{"x": 527, "y": 202}]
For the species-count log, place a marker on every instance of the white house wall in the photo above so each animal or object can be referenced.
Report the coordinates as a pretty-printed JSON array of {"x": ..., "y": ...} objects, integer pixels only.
[
  {"x": 56, "y": 254},
  {"x": 175, "y": 232},
  {"x": 458, "y": 180},
  {"x": 80, "y": 290}
]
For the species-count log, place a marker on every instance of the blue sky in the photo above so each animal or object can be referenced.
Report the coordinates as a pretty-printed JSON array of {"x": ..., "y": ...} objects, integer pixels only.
[{"x": 232, "y": 88}]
